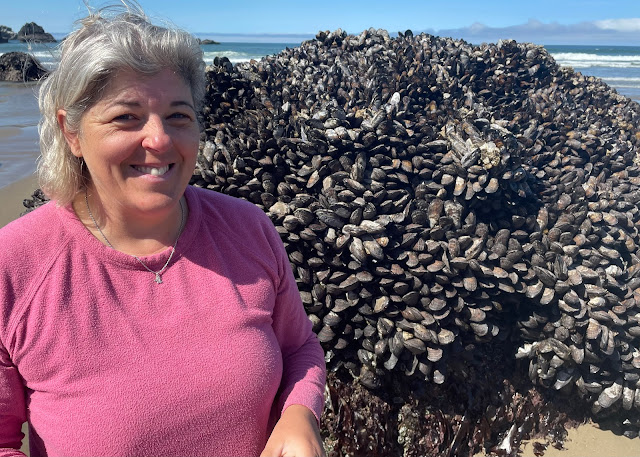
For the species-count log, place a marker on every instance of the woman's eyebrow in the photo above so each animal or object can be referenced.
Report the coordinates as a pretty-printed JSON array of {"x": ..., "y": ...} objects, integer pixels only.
[
  {"x": 182, "y": 103},
  {"x": 123, "y": 102}
]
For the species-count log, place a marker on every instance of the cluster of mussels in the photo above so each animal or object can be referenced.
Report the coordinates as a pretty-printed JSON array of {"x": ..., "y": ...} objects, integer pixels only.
[{"x": 434, "y": 196}]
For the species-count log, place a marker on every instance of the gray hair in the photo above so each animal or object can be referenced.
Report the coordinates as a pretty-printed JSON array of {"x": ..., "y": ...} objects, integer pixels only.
[{"x": 106, "y": 43}]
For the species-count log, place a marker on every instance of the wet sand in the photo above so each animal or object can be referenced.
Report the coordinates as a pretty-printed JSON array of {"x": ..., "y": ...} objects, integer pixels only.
[
  {"x": 15, "y": 163},
  {"x": 18, "y": 131}
]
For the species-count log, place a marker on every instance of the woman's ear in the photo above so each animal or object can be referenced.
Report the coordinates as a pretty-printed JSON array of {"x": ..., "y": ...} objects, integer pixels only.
[{"x": 71, "y": 137}]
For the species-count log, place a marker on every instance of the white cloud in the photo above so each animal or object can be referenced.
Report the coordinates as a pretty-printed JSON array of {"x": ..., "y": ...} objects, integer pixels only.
[
  {"x": 534, "y": 24},
  {"x": 477, "y": 27},
  {"x": 611, "y": 31},
  {"x": 621, "y": 25}
]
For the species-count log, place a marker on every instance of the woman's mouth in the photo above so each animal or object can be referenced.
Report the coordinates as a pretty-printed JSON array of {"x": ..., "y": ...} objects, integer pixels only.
[{"x": 154, "y": 171}]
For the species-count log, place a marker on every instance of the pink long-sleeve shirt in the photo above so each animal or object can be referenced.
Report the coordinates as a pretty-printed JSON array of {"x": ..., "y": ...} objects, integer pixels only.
[{"x": 101, "y": 360}]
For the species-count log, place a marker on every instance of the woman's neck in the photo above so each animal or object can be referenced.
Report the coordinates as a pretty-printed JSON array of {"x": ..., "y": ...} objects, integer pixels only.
[{"x": 138, "y": 234}]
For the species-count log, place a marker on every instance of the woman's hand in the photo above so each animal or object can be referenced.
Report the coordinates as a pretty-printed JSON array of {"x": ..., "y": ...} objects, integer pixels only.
[{"x": 296, "y": 434}]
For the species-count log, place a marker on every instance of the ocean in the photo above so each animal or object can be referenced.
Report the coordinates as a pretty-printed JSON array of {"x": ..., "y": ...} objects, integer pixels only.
[{"x": 618, "y": 66}]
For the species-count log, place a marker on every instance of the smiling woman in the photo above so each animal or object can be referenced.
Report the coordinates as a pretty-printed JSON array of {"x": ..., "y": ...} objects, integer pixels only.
[
  {"x": 139, "y": 143},
  {"x": 138, "y": 315}
]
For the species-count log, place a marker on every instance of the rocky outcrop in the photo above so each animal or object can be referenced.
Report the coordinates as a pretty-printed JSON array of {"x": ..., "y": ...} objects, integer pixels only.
[
  {"x": 32, "y": 32},
  {"x": 207, "y": 41},
  {"x": 6, "y": 34},
  {"x": 20, "y": 66}
]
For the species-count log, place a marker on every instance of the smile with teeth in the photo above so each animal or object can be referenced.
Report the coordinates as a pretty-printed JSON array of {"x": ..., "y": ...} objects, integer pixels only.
[{"x": 155, "y": 171}]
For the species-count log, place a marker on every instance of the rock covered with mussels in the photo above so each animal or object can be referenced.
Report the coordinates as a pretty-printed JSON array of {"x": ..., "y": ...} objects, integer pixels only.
[{"x": 434, "y": 196}]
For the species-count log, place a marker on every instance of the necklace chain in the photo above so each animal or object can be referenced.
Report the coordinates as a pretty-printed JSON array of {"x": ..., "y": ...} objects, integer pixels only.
[{"x": 158, "y": 278}]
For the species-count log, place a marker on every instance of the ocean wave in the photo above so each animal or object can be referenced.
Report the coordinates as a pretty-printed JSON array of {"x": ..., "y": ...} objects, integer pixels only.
[
  {"x": 622, "y": 80},
  {"x": 233, "y": 56},
  {"x": 47, "y": 58},
  {"x": 43, "y": 54},
  {"x": 586, "y": 60}
]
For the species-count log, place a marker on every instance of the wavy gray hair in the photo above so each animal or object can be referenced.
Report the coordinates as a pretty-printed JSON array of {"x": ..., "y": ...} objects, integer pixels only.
[{"x": 107, "y": 42}]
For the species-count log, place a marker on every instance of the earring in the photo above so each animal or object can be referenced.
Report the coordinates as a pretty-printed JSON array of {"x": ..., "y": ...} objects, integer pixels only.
[{"x": 81, "y": 174}]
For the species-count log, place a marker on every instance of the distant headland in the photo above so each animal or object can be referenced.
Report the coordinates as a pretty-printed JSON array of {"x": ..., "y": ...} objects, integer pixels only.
[{"x": 30, "y": 32}]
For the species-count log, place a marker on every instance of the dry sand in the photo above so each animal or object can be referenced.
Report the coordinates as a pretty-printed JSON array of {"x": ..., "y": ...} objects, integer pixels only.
[
  {"x": 11, "y": 198},
  {"x": 590, "y": 441},
  {"x": 25, "y": 442},
  {"x": 584, "y": 441}
]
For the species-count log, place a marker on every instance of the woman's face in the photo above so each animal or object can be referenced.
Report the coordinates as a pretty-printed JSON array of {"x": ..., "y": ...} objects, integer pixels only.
[{"x": 139, "y": 142}]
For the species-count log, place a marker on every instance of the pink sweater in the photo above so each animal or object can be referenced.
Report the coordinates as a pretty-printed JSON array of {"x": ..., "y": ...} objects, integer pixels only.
[{"x": 103, "y": 361}]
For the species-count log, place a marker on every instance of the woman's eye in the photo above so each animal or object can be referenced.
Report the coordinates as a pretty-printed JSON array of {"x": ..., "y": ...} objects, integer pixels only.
[
  {"x": 179, "y": 116},
  {"x": 124, "y": 117}
]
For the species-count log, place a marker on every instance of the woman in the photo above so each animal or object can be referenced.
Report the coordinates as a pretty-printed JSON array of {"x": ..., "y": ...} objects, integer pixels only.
[{"x": 141, "y": 316}]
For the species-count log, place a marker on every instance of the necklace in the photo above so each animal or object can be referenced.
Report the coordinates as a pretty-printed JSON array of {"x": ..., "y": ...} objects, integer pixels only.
[{"x": 158, "y": 278}]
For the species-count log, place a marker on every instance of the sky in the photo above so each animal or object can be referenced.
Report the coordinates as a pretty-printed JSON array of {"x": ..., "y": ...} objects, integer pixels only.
[{"x": 588, "y": 22}]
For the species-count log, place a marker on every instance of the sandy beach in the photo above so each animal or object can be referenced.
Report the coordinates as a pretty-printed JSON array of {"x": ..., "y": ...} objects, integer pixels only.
[
  {"x": 590, "y": 441},
  {"x": 18, "y": 131},
  {"x": 12, "y": 196},
  {"x": 586, "y": 441}
]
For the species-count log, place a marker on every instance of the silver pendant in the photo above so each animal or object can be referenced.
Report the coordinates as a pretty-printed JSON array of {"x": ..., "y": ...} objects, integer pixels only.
[{"x": 158, "y": 278}]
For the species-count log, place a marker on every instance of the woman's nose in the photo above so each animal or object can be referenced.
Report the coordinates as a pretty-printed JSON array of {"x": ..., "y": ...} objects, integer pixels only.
[{"x": 156, "y": 137}]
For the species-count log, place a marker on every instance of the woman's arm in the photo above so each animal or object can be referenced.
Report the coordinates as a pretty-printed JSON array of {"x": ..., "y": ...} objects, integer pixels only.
[
  {"x": 295, "y": 434},
  {"x": 300, "y": 398},
  {"x": 13, "y": 412},
  {"x": 301, "y": 393}
]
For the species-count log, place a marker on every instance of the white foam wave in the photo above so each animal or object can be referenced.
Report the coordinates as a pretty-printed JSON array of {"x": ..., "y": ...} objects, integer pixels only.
[
  {"x": 622, "y": 86},
  {"x": 586, "y": 60},
  {"x": 621, "y": 79},
  {"x": 47, "y": 59},
  {"x": 588, "y": 56},
  {"x": 233, "y": 56}
]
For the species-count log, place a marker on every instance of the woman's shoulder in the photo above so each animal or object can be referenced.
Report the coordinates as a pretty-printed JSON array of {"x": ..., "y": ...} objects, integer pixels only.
[
  {"x": 35, "y": 220},
  {"x": 28, "y": 245},
  {"x": 240, "y": 220},
  {"x": 228, "y": 207},
  {"x": 30, "y": 235}
]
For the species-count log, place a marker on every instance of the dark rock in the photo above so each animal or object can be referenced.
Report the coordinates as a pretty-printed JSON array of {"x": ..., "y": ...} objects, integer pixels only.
[
  {"x": 20, "y": 66},
  {"x": 32, "y": 32},
  {"x": 7, "y": 34},
  {"x": 494, "y": 194},
  {"x": 208, "y": 41}
]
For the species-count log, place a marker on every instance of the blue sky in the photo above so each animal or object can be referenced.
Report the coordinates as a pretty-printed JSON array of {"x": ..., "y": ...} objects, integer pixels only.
[{"x": 538, "y": 21}]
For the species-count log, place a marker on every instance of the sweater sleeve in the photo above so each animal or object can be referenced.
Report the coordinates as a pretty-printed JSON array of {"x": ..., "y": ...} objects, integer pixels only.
[
  {"x": 13, "y": 411},
  {"x": 304, "y": 371}
]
